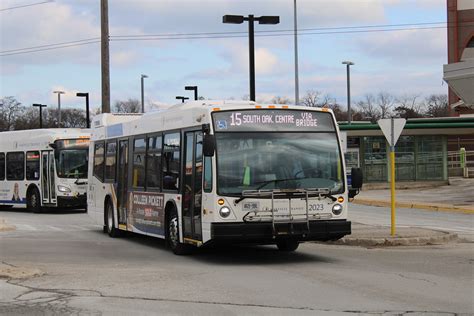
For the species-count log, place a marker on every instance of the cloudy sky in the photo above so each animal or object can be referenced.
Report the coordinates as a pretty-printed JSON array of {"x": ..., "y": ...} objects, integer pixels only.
[{"x": 184, "y": 42}]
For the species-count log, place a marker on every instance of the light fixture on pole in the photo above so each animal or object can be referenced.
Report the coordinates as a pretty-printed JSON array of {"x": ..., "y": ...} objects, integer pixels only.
[
  {"x": 182, "y": 98},
  {"x": 41, "y": 106},
  {"x": 193, "y": 88},
  {"x": 86, "y": 95},
  {"x": 349, "y": 113},
  {"x": 239, "y": 19},
  {"x": 59, "y": 105},
  {"x": 143, "y": 92}
]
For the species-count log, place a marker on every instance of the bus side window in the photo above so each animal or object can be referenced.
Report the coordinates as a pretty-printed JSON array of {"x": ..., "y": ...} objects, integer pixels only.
[
  {"x": 153, "y": 161},
  {"x": 139, "y": 148},
  {"x": 99, "y": 160},
  {"x": 171, "y": 161},
  {"x": 16, "y": 166},
  {"x": 32, "y": 165},
  {"x": 207, "y": 174},
  {"x": 2, "y": 166},
  {"x": 110, "y": 160}
]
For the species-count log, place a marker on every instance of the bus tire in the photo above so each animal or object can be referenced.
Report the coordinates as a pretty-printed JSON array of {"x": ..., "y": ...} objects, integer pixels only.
[
  {"x": 33, "y": 200},
  {"x": 287, "y": 245},
  {"x": 173, "y": 235},
  {"x": 109, "y": 221}
]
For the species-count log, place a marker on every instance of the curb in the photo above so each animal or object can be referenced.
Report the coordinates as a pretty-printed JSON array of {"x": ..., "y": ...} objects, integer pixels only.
[
  {"x": 397, "y": 241},
  {"x": 423, "y": 206}
]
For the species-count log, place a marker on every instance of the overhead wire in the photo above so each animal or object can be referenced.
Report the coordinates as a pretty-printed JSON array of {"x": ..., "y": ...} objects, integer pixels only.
[{"x": 26, "y": 5}]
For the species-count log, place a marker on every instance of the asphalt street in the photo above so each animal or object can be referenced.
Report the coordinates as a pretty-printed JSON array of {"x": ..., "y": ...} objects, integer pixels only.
[{"x": 86, "y": 272}]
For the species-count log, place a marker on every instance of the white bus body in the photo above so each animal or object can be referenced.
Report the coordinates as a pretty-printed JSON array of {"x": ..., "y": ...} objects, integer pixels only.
[
  {"x": 44, "y": 168},
  {"x": 277, "y": 174}
]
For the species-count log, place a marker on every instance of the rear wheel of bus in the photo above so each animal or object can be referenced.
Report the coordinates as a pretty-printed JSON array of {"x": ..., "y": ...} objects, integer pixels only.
[
  {"x": 287, "y": 244},
  {"x": 33, "y": 200},
  {"x": 173, "y": 235}
]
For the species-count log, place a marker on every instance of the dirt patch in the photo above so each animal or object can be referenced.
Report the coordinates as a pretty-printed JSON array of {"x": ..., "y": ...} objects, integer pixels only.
[
  {"x": 4, "y": 227},
  {"x": 13, "y": 272}
]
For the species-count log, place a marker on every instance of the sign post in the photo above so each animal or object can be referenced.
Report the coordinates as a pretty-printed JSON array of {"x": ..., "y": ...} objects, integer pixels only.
[{"x": 392, "y": 128}]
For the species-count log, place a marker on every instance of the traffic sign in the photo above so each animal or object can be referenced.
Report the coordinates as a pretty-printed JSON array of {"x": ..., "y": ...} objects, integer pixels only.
[{"x": 392, "y": 128}]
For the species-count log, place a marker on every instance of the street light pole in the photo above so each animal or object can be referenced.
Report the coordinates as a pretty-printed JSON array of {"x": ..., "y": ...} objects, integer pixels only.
[
  {"x": 349, "y": 113},
  {"x": 41, "y": 106},
  {"x": 59, "y": 106},
  {"x": 143, "y": 92},
  {"x": 297, "y": 85},
  {"x": 239, "y": 19},
  {"x": 86, "y": 95},
  {"x": 182, "y": 98},
  {"x": 193, "y": 88}
]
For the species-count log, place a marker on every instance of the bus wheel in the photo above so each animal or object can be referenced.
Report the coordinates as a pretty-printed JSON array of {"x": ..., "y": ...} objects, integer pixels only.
[
  {"x": 287, "y": 244},
  {"x": 173, "y": 236},
  {"x": 110, "y": 223},
  {"x": 33, "y": 201}
]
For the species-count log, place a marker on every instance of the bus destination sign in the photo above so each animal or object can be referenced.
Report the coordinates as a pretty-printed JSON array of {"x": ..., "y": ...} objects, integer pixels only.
[{"x": 272, "y": 120}]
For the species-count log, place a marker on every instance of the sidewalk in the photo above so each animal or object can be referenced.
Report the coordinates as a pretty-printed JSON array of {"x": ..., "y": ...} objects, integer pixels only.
[{"x": 458, "y": 197}]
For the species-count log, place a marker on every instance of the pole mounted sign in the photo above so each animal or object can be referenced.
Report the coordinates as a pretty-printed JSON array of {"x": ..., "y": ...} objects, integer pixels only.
[{"x": 392, "y": 129}]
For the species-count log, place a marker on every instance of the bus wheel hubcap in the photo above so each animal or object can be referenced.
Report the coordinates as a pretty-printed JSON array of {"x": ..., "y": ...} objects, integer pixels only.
[
  {"x": 173, "y": 231},
  {"x": 110, "y": 219},
  {"x": 33, "y": 200}
]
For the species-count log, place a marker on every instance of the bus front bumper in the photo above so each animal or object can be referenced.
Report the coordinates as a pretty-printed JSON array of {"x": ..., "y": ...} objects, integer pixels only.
[
  {"x": 264, "y": 233},
  {"x": 79, "y": 201}
]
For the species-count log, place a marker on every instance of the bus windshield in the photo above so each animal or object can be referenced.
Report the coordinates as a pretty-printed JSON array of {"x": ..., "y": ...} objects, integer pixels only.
[
  {"x": 72, "y": 163},
  {"x": 269, "y": 160}
]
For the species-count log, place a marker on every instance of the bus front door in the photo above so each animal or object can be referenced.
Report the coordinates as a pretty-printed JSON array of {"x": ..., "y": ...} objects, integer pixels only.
[
  {"x": 192, "y": 186},
  {"x": 122, "y": 182},
  {"x": 48, "y": 190}
]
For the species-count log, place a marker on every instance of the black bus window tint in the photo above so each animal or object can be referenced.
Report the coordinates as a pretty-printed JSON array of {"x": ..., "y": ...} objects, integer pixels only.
[
  {"x": 2, "y": 166},
  {"x": 207, "y": 174},
  {"x": 138, "y": 175},
  {"x": 110, "y": 160},
  {"x": 32, "y": 165},
  {"x": 171, "y": 165},
  {"x": 15, "y": 166},
  {"x": 153, "y": 161},
  {"x": 99, "y": 160}
]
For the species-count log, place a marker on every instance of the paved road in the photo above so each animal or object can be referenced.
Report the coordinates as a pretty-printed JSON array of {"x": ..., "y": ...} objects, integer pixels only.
[
  {"x": 462, "y": 224},
  {"x": 88, "y": 272}
]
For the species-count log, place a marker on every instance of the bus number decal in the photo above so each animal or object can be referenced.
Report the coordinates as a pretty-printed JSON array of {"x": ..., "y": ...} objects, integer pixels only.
[{"x": 316, "y": 207}]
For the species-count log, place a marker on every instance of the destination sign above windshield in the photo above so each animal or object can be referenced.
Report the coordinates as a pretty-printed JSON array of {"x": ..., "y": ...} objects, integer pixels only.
[{"x": 273, "y": 120}]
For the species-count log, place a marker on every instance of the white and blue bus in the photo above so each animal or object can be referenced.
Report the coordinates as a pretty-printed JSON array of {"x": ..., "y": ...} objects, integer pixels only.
[
  {"x": 44, "y": 168},
  {"x": 221, "y": 172}
]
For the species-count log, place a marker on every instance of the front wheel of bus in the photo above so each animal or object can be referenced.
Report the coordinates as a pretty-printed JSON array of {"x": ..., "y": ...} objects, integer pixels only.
[
  {"x": 33, "y": 201},
  {"x": 173, "y": 236},
  {"x": 287, "y": 245},
  {"x": 110, "y": 223}
]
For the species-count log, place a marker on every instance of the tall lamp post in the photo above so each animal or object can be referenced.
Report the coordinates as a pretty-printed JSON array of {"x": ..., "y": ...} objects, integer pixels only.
[
  {"x": 239, "y": 19},
  {"x": 182, "y": 98},
  {"x": 41, "y": 106},
  {"x": 86, "y": 95},
  {"x": 349, "y": 113},
  {"x": 195, "y": 89},
  {"x": 59, "y": 106},
  {"x": 143, "y": 92},
  {"x": 297, "y": 85}
]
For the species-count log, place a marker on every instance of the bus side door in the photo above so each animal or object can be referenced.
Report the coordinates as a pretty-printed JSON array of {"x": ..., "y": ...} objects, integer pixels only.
[{"x": 48, "y": 189}]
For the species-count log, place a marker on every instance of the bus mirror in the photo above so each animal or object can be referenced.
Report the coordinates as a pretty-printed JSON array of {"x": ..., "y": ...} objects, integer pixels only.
[
  {"x": 53, "y": 145},
  {"x": 356, "y": 178},
  {"x": 353, "y": 193},
  {"x": 206, "y": 128},
  {"x": 208, "y": 145}
]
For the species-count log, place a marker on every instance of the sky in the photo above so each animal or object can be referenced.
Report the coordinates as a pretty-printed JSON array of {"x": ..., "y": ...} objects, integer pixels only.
[{"x": 403, "y": 62}]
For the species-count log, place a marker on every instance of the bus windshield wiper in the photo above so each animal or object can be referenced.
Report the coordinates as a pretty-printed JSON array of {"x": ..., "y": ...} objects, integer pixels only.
[{"x": 264, "y": 183}]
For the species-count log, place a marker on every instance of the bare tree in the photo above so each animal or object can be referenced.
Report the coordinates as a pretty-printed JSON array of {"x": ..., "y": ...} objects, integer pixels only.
[
  {"x": 437, "y": 105},
  {"x": 408, "y": 107},
  {"x": 368, "y": 108},
  {"x": 311, "y": 98},
  {"x": 129, "y": 106},
  {"x": 10, "y": 111},
  {"x": 385, "y": 102},
  {"x": 280, "y": 100}
]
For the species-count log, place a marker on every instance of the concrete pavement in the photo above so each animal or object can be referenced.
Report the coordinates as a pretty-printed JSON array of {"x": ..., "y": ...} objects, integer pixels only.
[{"x": 455, "y": 197}]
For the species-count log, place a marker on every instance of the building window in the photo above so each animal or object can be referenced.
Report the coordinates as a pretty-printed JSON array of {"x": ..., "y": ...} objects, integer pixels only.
[
  {"x": 32, "y": 165},
  {"x": 139, "y": 153},
  {"x": 110, "y": 160},
  {"x": 429, "y": 160},
  {"x": 153, "y": 160},
  {"x": 15, "y": 166},
  {"x": 405, "y": 158},
  {"x": 2, "y": 166},
  {"x": 375, "y": 159},
  {"x": 171, "y": 161},
  {"x": 99, "y": 160}
]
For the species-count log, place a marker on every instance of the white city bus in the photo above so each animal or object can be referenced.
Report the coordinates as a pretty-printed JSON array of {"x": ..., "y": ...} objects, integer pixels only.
[
  {"x": 221, "y": 172},
  {"x": 44, "y": 168}
]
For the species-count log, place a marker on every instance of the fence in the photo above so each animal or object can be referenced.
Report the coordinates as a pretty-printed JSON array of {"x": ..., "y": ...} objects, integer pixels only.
[{"x": 461, "y": 163}]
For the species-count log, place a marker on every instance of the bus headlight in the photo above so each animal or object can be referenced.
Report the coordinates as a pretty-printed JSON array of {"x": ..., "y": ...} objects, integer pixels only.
[
  {"x": 224, "y": 212},
  {"x": 337, "y": 209},
  {"x": 64, "y": 189}
]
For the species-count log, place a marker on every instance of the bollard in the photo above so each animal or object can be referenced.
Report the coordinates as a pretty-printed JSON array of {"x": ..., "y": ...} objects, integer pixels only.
[{"x": 462, "y": 161}]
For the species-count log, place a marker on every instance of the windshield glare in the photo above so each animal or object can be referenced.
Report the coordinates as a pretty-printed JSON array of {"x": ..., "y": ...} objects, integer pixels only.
[
  {"x": 253, "y": 161},
  {"x": 72, "y": 163}
]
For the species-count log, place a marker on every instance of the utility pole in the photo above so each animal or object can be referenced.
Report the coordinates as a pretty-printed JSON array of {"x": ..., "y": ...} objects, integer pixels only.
[
  {"x": 348, "y": 72},
  {"x": 297, "y": 85},
  {"x": 59, "y": 106},
  {"x": 41, "y": 106},
  {"x": 143, "y": 92},
  {"x": 104, "y": 52}
]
